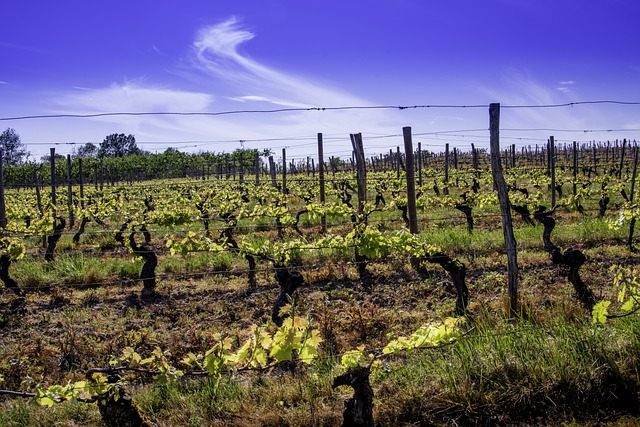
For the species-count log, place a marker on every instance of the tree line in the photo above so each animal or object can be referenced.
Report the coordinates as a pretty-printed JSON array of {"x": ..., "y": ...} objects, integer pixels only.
[{"x": 117, "y": 157}]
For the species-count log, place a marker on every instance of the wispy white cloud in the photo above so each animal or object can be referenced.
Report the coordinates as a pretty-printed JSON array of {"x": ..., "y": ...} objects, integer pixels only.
[
  {"x": 226, "y": 77},
  {"x": 518, "y": 87},
  {"x": 565, "y": 86},
  {"x": 257, "y": 98},
  {"x": 217, "y": 51},
  {"x": 135, "y": 96}
]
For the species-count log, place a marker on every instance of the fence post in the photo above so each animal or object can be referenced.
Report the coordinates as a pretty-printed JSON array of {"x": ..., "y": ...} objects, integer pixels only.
[
  {"x": 411, "y": 181},
  {"x": 69, "y": 192},
  {"x": 52, "y": 161},
  {"x": 505, "y": 206},
  {"x": 575, "y": 167},
  {"x": 3, "y": 211},
  {"x": 624, "y": 143},
  {"x": 257, "y": 168},
  {"x": 284, "y": 171},
  {"x": 446, "y": 169},
  {"x": 361, "y": 170},
  {"x": 272, "y": 171},
  {"x": 552, "y": 169},
  {"x": 323, "y": 218},
  {"x": 81, "y": 182},
  {"x": 633, "y": 187},
  {"x": 419, "y": 164}
]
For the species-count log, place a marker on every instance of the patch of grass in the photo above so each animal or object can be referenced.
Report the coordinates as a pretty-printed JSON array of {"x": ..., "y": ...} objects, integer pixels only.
[{"x": 506, "y": 374}]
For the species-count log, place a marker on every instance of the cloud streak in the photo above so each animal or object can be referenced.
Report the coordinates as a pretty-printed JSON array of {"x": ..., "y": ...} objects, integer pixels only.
[
  {"x": 135, "y": 96},
  {"x": 216, "y": 50},
  {"x": 566, "y": 124},
  {"x": 228, "y": 79}
]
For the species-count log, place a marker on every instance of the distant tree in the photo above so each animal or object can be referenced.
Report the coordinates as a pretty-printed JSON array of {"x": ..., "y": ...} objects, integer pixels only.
[
  {"x": 118, "y": 145},
  {"x": 13, "y": 149},
  {"x": 47, "y": 158},
  {"x": 171, "y": 150},
  {"x": 87, "y": 150}
]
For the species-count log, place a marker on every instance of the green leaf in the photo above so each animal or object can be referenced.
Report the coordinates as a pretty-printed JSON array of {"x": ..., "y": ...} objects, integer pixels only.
[
  {"x": 45, "y": 401},
  {"x": 600, "y": 312},
  {"x": 630, "y": 305},
  {"x": 260, "y": 357}
]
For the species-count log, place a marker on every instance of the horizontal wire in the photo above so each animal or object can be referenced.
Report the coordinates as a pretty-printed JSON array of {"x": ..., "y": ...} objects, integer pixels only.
[{"x": 301, "y": 109}]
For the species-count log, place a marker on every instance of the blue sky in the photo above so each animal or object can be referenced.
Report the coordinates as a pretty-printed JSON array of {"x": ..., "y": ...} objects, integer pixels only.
[{"x": 210, "y": 56}]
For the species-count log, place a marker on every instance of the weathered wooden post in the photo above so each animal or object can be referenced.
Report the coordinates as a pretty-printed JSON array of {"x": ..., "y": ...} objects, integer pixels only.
[
  {"x": 446, "y": 169},
  {"x": 575, "y": 167},
  {"x": 272, "y": 171},
  {"x": 69, "y": 192},
  {"x": 411, "y": 181},
  {"x": 323, "y": 218},
  {"x": 633, "y": 186},
  {"x": 284, "y": 171},
  {"x": 419, "y": 164},
  {"x": 3, "y": 211},
  {"x": 52, "y": 162},
  {"x": 552, "y": 170},
  {"x": 361, "y": 171},
  {"x": 624, "y": 144},
  {"x": 505, "y": 206}
]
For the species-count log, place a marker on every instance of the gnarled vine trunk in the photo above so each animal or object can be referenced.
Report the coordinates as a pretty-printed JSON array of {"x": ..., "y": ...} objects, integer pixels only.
[
  {"x": 10, "y": 283},
  {"x": 571, "y": 258},
  {"x": 358, "y": 410},
  {"x": 458, "y": 272},
  {"x": 81, "y": 229},
  {"x": 466, "y": 210},
  {"x": 288, "y": 280},
  {"x": 148, "y": 272},
  {"x": 118, "y": 410},
  {"x": 52, "y": 241}
]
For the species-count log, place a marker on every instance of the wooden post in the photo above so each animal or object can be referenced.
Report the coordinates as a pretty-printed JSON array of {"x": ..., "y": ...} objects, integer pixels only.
[
  {"x": 398, "y": 162},
  {"x": 552, "y": 169},
  {"x": 411, "y": 181},
  {"x": 323, "y": 219},
  {"x": 575, "y": 167},
  {"x": 361, "y": 171},
  {"x": 81, "y": 182},
  {"x": 272, "y": 171},
  {"x": 419, "y": 164},
  {"x": 446, "y": 169},
  {"x": 3, "y": 211},
  {"x": 505, "y": 206},
  {"x": 37, "y": 181},
  {"x": 284, "y": 171},
  {"x": 69, "y": 192},
  {"x": 257, "y": 168},
  {"x": 455, "y": 163},
  {"x": 632, "y": 225},
  {"x": 241, "y": 170},
  {"x": 474, "y": 155},
  {"x": 624, "y": 143},
  {"x": 52, "y": 161}
]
